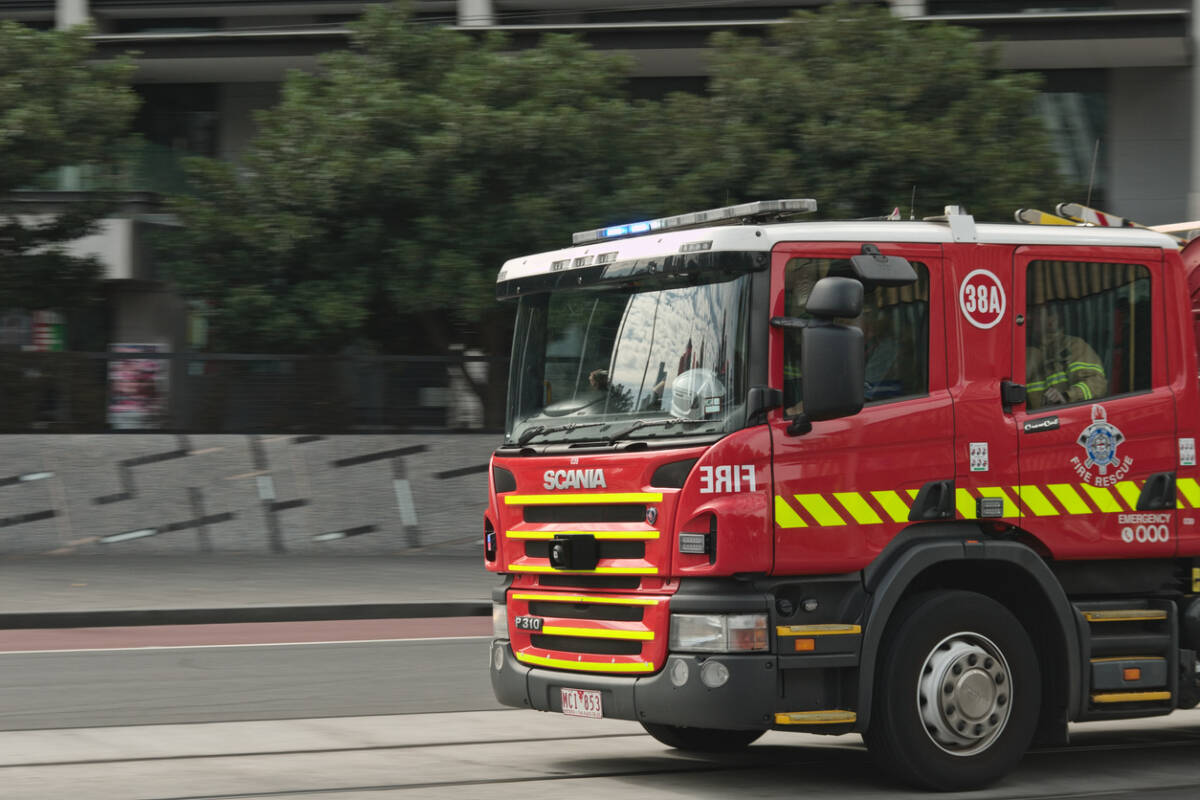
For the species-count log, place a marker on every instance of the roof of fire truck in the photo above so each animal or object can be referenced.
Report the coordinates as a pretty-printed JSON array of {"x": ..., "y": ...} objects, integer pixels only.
[{"x": 760, "y": 226}]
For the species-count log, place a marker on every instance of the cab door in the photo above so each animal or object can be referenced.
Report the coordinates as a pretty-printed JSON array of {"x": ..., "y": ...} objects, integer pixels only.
[
  {"x": 1097, "y": 431},
  {"x": 844, "y": 488}
]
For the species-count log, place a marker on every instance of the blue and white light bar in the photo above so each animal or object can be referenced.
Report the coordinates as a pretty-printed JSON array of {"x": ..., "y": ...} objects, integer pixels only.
[{"x": 713, "y": 216}]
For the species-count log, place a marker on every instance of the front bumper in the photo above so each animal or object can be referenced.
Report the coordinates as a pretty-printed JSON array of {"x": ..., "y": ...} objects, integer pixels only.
[{"x": 748, "y": 700}]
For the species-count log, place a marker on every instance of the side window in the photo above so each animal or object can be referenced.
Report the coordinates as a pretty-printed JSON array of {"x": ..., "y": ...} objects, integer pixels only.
[
  {"x": 1088, "y": 331},
  {"x": 895, "y": 324}
]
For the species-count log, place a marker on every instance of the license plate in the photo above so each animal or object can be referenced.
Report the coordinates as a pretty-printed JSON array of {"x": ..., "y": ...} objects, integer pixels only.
[
  {"x": 581, "y": 703},
  {"x": 527, "y": 623}
]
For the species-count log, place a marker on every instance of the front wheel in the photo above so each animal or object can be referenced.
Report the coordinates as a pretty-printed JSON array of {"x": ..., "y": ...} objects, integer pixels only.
[
  {"x": 702, "y": 740},
  {"x": 957, "y": 694}
]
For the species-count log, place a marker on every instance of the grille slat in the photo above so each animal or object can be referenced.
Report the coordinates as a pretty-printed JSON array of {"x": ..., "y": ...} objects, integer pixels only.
[
  {"x": 541, "y": 549},
  {"x": 618, "y": 512},
  {"x": 590, "y": 611},
  {"x": 587, "y": 645}
]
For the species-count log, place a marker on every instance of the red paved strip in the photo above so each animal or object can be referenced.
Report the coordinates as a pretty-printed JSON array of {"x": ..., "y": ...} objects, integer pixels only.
[{"x": 354, "y": 630}]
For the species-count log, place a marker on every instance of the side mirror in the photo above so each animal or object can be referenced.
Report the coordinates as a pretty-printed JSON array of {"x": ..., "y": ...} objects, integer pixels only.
[
  {"x": 832, "y": 363},
  {"x": 835, "y": 297}
]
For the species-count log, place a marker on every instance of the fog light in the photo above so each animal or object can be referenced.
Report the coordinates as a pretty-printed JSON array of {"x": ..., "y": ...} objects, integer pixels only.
[
  {"x": 497, "y": 657},
  {"x": 714, "y": 674},
  {"x": 679, "y": 673}
]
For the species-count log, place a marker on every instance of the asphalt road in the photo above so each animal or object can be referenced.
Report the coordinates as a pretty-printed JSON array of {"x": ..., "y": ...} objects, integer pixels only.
[{"x": 414, "y": 718}]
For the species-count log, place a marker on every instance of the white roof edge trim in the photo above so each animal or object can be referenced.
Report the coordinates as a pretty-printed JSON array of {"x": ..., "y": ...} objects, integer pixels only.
[{"x": 766, "y": 237}]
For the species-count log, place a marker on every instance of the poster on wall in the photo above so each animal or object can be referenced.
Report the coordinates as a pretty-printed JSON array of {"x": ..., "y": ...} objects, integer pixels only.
[{"x": 137, "y": 388}]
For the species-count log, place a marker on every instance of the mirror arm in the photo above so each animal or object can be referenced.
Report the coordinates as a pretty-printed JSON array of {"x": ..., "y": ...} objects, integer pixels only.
[
  {"x": 799, "y": 426},
  {"x": 789, "y": 322}
]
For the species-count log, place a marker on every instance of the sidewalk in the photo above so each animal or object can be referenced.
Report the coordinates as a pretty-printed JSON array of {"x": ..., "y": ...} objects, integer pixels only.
[{"x": 92, "y": 591}]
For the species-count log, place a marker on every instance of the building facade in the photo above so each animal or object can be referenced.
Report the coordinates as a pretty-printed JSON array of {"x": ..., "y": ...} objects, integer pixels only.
[{"x": 1120, "y": 77}]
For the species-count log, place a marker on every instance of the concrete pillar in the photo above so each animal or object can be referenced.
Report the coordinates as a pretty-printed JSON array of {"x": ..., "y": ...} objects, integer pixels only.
[
  {"x": 475, "y": 13},
  {"x": 1193, "y": 199},
  {"x": 70, "y": 12},
  {"x": 908, "y": 8}
]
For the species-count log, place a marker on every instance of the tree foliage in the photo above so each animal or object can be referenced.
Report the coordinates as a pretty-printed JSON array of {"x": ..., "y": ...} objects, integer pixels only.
[
  {"x": 383, "y": 194},
  {"x": 858, "y": 108},
  {"x": 391, "y": 187},
  {"x": 57, "y": 109}
]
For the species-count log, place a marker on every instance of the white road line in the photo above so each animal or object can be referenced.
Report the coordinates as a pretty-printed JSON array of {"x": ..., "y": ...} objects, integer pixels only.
[{"x": 247, "y": 644}]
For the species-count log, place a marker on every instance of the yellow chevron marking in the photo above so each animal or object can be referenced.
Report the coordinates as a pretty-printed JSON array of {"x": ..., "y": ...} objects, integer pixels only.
[
  {"x": 891, "y": 503},
  {"x": 859, "y": 509},
  {"x": 597, "y": 633},
  {"x": 586, "y": 598},
  {"x": 830, "y": 717},
  {"x": 786, "y": 516},
  {"x": 598, "y": 534},
  {"x": 1130, "y": 697},
  {"x": 1102, "y": 497},
  {"x": 1190, "y": 491},
  {"x": 913, "y": 493},
  {"x": 586, "y": 666},
  {"x": 1035, "y": 501},
  {"x": 596, "y": 571},
  {"x": 820, "y": 510},
  {"x": 1010, "y": 508},
  {"x": 1130, "y": 492},
  {"x": 826, "y": 629},
  {"x": 579, "y": 499},
  {"x": 1069, "y": 498},
  {"x": 965, "y": 503}
]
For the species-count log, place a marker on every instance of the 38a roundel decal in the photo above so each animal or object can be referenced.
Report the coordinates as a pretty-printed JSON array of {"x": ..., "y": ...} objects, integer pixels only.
[{"x": 981, "y": 298}]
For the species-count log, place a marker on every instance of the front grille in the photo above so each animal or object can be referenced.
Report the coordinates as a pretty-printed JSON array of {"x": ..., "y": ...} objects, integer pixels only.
[
  {"x": 580, "y": 644},
  {"x": 602, "y": 632},
  {"x": 541, "y": 549},
  {"x": 618, "y": 512}
]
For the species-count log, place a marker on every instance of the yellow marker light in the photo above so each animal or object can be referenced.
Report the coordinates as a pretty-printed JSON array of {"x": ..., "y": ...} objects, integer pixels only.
[
  {"x": 806, "y": 644},
  {"x": 1131, "y": 674}
]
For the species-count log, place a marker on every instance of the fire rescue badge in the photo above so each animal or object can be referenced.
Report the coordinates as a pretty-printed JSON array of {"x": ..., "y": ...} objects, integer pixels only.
[{"x": 1100, "y": 441}]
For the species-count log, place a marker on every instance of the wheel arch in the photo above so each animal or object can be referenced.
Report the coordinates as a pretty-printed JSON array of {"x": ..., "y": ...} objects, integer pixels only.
[{"x": 956, "y": 556}]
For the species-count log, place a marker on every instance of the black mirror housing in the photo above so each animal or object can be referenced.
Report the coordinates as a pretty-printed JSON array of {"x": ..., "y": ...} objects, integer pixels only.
[
  {"x": 834, "y": 297},
  {"x": 875, "y": 269},
  {"x": 832, "y": 363}
]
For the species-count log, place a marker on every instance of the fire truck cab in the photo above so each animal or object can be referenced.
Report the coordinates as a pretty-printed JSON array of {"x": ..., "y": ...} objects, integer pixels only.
[{"x": 930, "y": 481}]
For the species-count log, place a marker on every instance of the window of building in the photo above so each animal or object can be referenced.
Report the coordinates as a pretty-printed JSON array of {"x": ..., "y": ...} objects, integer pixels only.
[
  {"x": 1088, "y": 331},
  {"x": 895, "y": 325}
]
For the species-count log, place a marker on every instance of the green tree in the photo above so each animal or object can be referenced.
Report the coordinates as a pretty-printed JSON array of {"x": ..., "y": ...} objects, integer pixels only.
[
  {"x": 381, "y": 196},
  {"x": 857, "y": 108},
  {"x": 58, "y": 108}
]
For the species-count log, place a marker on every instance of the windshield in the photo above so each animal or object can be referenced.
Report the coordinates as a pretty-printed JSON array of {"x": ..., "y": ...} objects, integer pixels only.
[{"x": 611, "y": 363}]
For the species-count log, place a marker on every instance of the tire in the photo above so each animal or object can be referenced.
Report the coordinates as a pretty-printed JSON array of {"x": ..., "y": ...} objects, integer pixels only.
[
  {"x": 702, "y": 740},
  {"x": 972, "y": 655}
]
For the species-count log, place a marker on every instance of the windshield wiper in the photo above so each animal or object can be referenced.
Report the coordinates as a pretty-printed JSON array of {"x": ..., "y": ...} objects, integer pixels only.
[
  {"x": 643, "y": 423},
  {"x": 542, "y": 429}
]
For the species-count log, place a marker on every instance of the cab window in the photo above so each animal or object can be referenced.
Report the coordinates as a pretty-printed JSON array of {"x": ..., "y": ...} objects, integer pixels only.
[
  {"x": 1088, "y": 332},
  {"x": 895, "y": 325}
]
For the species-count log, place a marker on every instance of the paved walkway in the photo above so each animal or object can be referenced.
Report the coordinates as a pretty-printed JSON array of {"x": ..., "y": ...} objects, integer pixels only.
[{"x": 81, "y": 591}]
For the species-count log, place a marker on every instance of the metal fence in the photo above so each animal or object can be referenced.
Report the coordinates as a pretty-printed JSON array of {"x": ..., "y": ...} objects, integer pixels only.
[{"x": 73, "y": 392}]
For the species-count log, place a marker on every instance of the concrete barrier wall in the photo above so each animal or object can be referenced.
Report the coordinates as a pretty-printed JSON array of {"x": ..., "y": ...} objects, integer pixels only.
[{"x": 174, "y": 495}]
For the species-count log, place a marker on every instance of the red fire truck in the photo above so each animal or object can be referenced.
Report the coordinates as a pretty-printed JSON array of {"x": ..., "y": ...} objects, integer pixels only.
[{"x": 930, "y": 481}]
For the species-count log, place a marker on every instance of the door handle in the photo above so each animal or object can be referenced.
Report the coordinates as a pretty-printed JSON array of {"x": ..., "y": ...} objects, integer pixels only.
[
  {"x": 935, "y": 500},
  {"x": 1158, "y": 493}
]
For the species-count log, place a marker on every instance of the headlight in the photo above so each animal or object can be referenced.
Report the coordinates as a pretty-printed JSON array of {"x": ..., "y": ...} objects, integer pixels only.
[
  {"x": 499, "y": 621},
  {"x": 718, "y": 633}
]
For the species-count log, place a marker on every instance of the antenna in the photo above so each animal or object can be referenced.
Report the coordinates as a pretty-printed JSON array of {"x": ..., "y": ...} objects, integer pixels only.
[
  {"x": 1092, "y": 177},
  {"x": 912, "y": 203}
]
